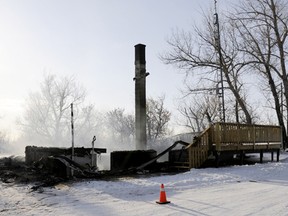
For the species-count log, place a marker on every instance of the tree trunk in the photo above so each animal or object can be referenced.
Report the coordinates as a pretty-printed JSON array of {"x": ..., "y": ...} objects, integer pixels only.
[
  {"x": 277, "y": 105},
  {"x": 237, "y": 96}
]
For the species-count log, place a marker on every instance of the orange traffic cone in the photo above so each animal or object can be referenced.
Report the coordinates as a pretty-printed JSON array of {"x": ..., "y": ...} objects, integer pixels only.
[{"x": 162, "y": 199}]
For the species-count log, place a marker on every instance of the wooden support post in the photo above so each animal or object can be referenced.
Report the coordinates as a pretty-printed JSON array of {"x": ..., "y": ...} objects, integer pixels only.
[
  {"x": 272, "y": 156},
  {"x": 278, "y": 154},
  {"x": 242, "y": 157},
  {"x": 217, "y": 158},
  {"x": 190, "y": 157},
  {"x": 261, "y": 156}
]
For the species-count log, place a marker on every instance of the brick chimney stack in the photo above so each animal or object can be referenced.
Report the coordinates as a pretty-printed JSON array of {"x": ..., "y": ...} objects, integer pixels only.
[{"x": 140, "y": 97}]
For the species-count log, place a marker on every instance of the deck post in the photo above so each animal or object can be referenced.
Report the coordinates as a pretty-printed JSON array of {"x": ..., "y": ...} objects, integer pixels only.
[
  {"x": 242, "y": 157},
  {"x": 272, "y": 156},
  {"x": 278, "y": 154},
  {"x": 217, "y": 158},
  {"x": 261, "y": 156},
  {"x": 190, "y": 157}
]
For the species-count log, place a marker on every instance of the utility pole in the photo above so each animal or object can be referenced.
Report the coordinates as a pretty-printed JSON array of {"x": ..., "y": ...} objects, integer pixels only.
[{"x": 220, "y": 91}]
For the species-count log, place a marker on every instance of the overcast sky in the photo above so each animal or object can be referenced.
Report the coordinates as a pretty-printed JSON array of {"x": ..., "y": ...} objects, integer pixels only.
[{"x": 92, "y": 40}]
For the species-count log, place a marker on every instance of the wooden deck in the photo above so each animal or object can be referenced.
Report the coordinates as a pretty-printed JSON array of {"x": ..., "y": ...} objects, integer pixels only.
[{"x": 230, "y": 138}]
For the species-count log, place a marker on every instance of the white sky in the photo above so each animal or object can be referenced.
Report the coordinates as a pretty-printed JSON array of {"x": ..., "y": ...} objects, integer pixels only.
[{"x": 93, "y": 40}]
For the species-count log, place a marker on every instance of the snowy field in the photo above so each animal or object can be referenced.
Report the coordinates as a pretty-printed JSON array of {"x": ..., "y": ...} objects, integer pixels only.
[{"x": 260, "y": 189}]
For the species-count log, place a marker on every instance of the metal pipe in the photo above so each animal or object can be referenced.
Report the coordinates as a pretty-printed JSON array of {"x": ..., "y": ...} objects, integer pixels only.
[{"x": 72, "y": 133}]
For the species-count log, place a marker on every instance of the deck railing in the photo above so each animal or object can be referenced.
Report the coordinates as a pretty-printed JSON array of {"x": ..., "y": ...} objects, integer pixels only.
[
  {"x": 225, "y": 134},
  {"x": 233, "y": 137}
]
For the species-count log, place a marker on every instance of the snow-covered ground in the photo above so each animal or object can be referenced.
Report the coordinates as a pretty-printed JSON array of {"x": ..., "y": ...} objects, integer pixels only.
[{"x": 260, "y": 189}]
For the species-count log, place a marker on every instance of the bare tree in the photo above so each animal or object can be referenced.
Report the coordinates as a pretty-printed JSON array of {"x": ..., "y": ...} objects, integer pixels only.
[
  {"x": 157, "y": 119},
  {"x": 263, "y": 28},
  {"x": 201, "y": 54},
  {"x": 121, "y": 126},
  {"x": 88, "y": 123},
  {"x": 47, "y": 116},
  {"x": 199, "y": 112},
  {"x": 254, "y": 39}
]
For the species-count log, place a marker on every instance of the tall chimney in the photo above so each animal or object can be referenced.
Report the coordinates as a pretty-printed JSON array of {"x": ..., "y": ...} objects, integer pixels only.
[{"x": 140, "y": 97}]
